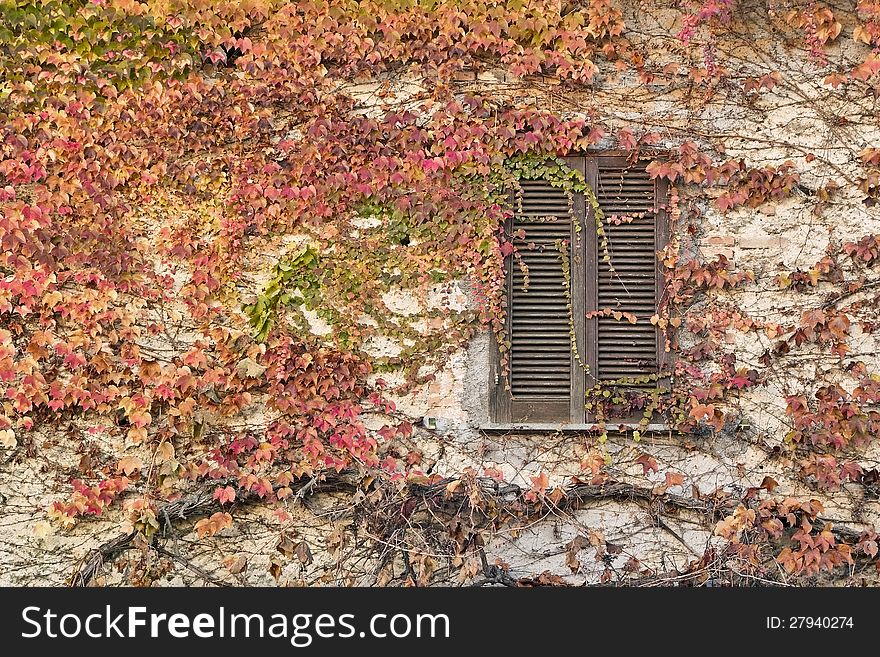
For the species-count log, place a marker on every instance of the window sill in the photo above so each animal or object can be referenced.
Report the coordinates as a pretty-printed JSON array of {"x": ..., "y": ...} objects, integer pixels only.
[{"x": 654, "y": 427}]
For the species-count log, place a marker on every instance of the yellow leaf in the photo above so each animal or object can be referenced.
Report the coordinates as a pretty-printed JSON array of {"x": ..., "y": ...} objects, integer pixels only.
[
  {"x": 452, "y": 486},
  {"x": 42, "y": 529},
  {"x": 7, "y": 438},
  {"x": 165, "y": 452},
  {"x": 52, "y": 299}
]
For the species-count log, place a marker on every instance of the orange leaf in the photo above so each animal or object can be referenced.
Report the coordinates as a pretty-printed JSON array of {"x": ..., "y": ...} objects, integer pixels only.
[
  {"x": 540, "y": 482},
  {"x": 129, "y": 465},
  {"x": 769, "y": 483}
]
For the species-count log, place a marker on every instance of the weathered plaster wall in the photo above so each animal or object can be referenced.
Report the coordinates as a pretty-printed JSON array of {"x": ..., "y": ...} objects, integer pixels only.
[{"x": 788, "y": 123}]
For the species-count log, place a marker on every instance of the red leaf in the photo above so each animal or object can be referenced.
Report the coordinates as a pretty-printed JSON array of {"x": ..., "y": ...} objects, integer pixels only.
[
  {"x": 648, "y": 463},
  {"x": 225, "y": 495}
]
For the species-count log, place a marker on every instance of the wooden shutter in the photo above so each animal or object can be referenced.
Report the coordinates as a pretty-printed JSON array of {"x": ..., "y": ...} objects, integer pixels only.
[
  {"x": 540, "y": 342},
  {"x": 629, "y": 283},
  {"x": 546, "y": 382}
]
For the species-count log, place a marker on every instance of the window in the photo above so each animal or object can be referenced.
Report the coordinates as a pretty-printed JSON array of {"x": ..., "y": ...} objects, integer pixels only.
[{"x": 546, "y": 378}]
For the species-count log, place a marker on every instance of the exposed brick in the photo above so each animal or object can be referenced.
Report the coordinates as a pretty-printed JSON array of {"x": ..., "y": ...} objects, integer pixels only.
[
  {"x": 712, "y": 252},
  {"x": 494, "y": 75},
  {"x": 761, "y": 242}
]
